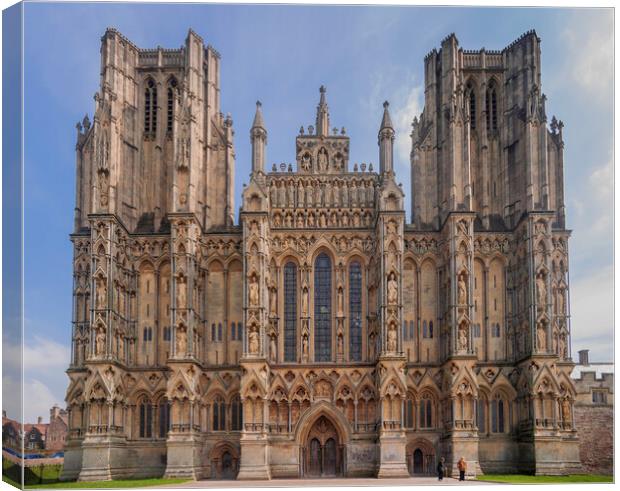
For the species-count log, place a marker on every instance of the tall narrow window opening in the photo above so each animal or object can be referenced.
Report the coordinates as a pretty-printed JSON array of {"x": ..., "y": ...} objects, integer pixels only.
[
  {"x": 150, "y": 107},
  {"x": 290, "y": 312},
  {"x": 323, "y": 308},
  {"x": 355, "y": 311}
]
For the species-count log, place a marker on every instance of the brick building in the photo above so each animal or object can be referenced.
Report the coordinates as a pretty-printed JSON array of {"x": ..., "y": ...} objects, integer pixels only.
[
  {"x": 37, "y": 436},
  {"x": 594, "y": 414}
]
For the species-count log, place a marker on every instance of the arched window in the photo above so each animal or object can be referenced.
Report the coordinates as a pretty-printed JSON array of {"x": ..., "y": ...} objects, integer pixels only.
[
  {"x": 424, "y": 329},
  {"x": 410, "y": 329},
  {"x": 426, "y": 412},
  {"x": 233, "y": 329},
  {"x": 409, "y": 413},
  {"x": 430, "y": 329},
  {"x": 355, "y": 311},
  {"x": 323, "y": 308},
  {"x": 471, "y": 99},
  {"x": 219, "y": 331},
  {"x": 290, "y": 312},
  {"x": 239, "y": 330},
  {"x": 164, "y": 417},
  {"x": 172, "y": 85},
  {"x": 481, "y": 415},
  {"x": 491, "y": 108},
  {"x": 236, "y": 414},
  {"x": 497, "y": 415},
  {"x": 213, "y": 332},
  {"x": 219, "y": 414},
  {"x": 150, "y": 107},
  {"x": 146, "y": 418}
]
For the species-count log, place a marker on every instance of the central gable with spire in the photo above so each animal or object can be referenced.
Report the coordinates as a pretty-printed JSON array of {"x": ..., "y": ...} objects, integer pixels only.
[{"x": 321, "y": 150}]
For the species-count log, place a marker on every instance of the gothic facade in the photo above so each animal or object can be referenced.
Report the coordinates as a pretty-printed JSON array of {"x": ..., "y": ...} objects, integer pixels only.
[{"x": 323, "y": 334}]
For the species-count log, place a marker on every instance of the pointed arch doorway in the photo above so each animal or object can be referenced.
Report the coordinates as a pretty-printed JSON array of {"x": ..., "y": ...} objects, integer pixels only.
[{"x": 323, "y": 450}]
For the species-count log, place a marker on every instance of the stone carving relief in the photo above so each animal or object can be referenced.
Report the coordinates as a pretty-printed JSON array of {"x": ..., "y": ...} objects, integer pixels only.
[
  {"x": 392, "y": 290},
  {"x": 253, "y": 290}
]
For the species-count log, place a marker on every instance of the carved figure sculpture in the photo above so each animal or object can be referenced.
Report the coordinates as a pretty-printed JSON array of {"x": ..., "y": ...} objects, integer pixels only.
[
  {"x": 566, "y": 411},
  {"x": 181, "y": 293},
  {"x": 253, "y": 288},
  {"x": 181, "y": 345},
  {"x": 541, "y": 337},
  {"x": 391, "y": 337},
  {"x": 273, "y": 301},
  {"x": 272, "y": 347},
  {"x": 392, "y": 290},
  {"x": 253, "y": 343},
  {"x": 462, "y": 291},
  {"x": 541, "y": 289},
  {"x": 100, "y": 341},
  {"x": 102, "y": 293},
  {"x": 304, "y": 302},
  {"x": 463, "y": 341}
]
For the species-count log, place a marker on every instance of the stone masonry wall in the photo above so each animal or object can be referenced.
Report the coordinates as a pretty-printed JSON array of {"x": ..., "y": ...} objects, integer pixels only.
[{"x": 595, "y": 425}]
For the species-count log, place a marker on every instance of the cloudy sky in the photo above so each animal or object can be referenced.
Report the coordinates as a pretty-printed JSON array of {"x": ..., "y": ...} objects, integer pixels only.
[{"x": 281, "y": 55}]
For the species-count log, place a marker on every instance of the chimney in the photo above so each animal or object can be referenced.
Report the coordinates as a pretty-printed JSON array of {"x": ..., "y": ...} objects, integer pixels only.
[
  {"x": 583, "y": 357},
  {"x": 54, "y": 412},
  {"x": 40, "y": 420}
]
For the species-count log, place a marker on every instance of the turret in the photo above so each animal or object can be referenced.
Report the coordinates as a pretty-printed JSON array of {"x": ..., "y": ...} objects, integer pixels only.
[
  {"x": 258, "y": 137},
  {"x": 386, "y": 142},
  {"x": 322, "y": 115}
]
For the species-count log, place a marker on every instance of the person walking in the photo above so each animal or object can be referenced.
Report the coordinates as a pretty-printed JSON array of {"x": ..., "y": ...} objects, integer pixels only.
[
  {"x": 462, "y": 465},
  {"x": 441, "y": 468}
]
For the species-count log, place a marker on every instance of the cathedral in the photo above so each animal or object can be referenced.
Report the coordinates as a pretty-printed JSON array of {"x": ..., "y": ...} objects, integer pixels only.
[{"x": 326, "y": 333}]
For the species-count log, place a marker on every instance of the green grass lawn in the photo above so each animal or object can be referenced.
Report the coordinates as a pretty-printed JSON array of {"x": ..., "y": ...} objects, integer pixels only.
[
  {"x": 526, "y": 479},
  {"x": 125, "y": 483}
]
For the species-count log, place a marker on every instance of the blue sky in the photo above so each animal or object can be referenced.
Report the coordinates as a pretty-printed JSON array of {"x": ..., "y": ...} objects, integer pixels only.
[{"x": 281, "y": 55}]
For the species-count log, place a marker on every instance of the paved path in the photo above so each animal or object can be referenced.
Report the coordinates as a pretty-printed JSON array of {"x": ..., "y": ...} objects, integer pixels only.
[{"x": 343, "y": 482}]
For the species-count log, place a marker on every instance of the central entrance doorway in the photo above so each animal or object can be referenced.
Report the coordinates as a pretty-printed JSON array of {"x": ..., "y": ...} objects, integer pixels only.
[{"x": 323, "y": 451}]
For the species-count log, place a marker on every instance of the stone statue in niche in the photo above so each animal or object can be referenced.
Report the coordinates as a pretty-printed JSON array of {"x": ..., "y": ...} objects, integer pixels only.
[
  {"x": 563, "y": 350},
  {"x": 306, "y": 162},
  {"x": 541, "y": 337},
  {"x": 103, "y": 188},
  {"x": 463, "y": 341},
  {"x": 181, "y": 293},
  {"x": 561, "y": 298},
  {"x": 392, "y": 290},
  {"x": 301, "y": 195},
  {"x": 322, "y": 160},
  {"x": 253, "y": 287},
  {"x": 392, "y": 337},
  {"x": 462, "y": 290},
  {"x": 181, "y": 345},
  {"x": 273, "y": 296},
  {"x": 100, "y": 341},
  {"x": 309, "y": 196},
  {"x": 304, "y": 346},
  {"x": 541, "y": 289},
  {"x": 304, "y": 302},
  {"x": 272, "y": 347},
  {"x": 281, "y": 194},
  {"x": 340, "y": 301},
  {"x": 253, "y": 342},
  {"x": 340, "y": 344},
  {"x": 566, "y": 410},
  {"x": 272, "y": 195},
  {"x": 291, "y": 194},
  {"x": 345, "y": 194},
  {"x": 338, "y": 162},
  {"x": 102, "y": 293},
  {"x": 372, "y": 346}
]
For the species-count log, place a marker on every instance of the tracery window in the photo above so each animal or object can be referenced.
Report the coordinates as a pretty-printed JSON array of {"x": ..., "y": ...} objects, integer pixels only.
[
  {"x": 426, "y": 412},
  {"x": 290, "y": 312},
  {"x": 409, "y": 413},
  {"x": 323, "y": 308},
  {"x": 170, "y": 113},
  {"x": 236, "y": 416},
  {"x": 472, "y": 107},
  {"x": 355, "y": 311},
  {"x": 481, "y": 416},
  {"x": 150, "y": 107},
  {"x": 491, "y": 108},
  {"x": 497, "y": 415},
  {"x": 146, "y": 418},
  {"x": 164, "y": 417},
  {"x": 219, "y": 414}
]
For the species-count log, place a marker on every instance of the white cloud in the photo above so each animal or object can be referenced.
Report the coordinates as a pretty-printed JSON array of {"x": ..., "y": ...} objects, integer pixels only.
[
  {"x": 40, "y": 355},
  {"x": 592, "y": 316},
  {"x": 589, "y": 40},
  {"x": 405, "y": 110}
]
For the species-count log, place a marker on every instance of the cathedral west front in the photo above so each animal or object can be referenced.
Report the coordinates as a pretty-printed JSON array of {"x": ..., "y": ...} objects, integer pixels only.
[{"x": 326, "y": 333}]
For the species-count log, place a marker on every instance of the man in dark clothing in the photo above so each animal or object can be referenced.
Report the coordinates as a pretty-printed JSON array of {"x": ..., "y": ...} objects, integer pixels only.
[{"x": 440, "y": 469}]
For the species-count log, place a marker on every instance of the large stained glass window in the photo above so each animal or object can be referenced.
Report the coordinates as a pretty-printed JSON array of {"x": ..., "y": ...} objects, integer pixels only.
[
  {"x": 355, "y": 311},
  {"x": 323, "y": 308},
  {"x": 290, "y": 312}
]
